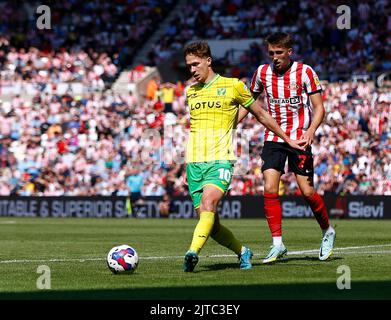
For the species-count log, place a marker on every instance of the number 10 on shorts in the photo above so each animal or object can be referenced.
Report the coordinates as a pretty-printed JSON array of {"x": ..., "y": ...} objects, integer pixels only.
[{"x": 225, "y": 174}]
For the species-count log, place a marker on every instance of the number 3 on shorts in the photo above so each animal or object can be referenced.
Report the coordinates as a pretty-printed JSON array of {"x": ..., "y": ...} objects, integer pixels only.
[{"x": 224, "y": 174}]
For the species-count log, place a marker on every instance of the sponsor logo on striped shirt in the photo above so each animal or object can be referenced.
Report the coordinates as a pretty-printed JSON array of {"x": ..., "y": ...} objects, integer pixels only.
[{"x": 291, "y": 100}]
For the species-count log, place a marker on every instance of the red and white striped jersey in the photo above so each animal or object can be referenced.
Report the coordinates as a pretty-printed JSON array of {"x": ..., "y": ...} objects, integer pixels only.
[{"x": 287, "y": 97}]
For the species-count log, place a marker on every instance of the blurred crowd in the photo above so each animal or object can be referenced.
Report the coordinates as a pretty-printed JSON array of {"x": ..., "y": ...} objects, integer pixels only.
[
  {"x": 334, "y": 53},
  {"x": 32, "y": 71},
  {"x": 117, "y": 28},
  {"x": 105, "y": 143},
  {"x": 88, "y": 43},
  {"x": 352, "y": 150},
  {"x": 98, "y": 142}
]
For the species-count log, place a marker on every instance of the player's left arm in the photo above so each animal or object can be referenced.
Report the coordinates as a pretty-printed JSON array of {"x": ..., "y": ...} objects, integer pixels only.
[
  {"x": 314, "y": 89},
  {"x": 247, "y": 101},
  {"x": 269, "y": 122},
  {"x": 243, "y": 112},
  {"x": 256, "y": 90},
  {"x": 318, "y": 116}
]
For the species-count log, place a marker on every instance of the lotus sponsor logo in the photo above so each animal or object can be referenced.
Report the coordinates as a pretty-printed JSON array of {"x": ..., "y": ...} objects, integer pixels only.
[{"x": 205, "y": 104}]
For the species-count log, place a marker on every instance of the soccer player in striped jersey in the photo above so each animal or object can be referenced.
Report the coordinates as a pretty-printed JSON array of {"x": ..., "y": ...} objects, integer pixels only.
[
  {"x": 214, "y": 102},
  {"x": 293, "y": 94}
]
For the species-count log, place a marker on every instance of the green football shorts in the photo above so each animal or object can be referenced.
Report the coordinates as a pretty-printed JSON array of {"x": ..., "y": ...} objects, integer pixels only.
[{"x": 200, "y": 174}]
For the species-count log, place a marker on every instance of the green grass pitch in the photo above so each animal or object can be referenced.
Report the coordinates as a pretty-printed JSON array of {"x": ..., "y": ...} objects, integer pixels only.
[{"x": 75, "y": 251}]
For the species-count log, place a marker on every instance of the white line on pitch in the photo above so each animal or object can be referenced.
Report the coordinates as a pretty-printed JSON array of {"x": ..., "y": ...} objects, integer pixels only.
[
  {"x": 7, "y": 222},
  {"x": 339, "y": 249},
  {"x": 208, "y": 256}
]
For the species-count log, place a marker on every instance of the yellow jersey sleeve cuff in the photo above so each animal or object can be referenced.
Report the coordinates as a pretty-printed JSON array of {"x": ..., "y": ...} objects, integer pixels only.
[{"x": 249, "y": 103}]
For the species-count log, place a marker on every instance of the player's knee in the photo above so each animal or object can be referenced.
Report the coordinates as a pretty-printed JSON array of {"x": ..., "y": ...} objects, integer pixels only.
[
  {"x": 271, "y": 188},
  {"x": 208, "y": 204},
  {"x": 308, "y": 192}
]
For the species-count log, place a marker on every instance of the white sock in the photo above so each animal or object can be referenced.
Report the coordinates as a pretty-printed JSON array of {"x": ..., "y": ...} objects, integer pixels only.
[
  {"x": 330, "y": 228},
  {"x": 277, "y": 241}
]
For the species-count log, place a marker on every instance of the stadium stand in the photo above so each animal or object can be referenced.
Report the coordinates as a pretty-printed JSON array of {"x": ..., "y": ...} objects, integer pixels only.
[
  {"x": 64, "y": 131},
  {"x": 335, "y": 54}
]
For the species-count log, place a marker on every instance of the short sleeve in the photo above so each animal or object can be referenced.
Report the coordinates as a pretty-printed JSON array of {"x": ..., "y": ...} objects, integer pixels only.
[
  {"x": 256, "y": 83},
  {"x": 242, "y": 94},
  {"x": 311, "y": 81}
]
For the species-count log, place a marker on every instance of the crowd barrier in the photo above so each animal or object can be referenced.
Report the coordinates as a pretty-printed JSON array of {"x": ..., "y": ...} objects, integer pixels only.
[{"x": 234, "y": 207}]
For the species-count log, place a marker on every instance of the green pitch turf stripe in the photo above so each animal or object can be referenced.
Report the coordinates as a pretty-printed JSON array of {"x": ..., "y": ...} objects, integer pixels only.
[{"x": 349, "y": 249}]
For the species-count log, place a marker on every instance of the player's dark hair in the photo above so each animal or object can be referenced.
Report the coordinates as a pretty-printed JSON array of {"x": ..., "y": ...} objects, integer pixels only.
[
  {"x": 282, "y": 39},
  {"x": 199, "y": 48}
]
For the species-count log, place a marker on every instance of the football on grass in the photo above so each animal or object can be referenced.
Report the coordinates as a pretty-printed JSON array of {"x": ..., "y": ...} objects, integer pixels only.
[{"x": 122, "y": 259}]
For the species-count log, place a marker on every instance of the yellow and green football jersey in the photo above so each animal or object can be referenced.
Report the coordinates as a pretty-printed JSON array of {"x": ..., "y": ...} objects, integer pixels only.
[{"x": 214, "y": 110}]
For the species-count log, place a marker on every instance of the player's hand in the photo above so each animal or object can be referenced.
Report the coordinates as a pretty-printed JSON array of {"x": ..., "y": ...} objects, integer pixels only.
[
  {"x": 297, "y": 144},
  {"x": 308, "y": 138}
]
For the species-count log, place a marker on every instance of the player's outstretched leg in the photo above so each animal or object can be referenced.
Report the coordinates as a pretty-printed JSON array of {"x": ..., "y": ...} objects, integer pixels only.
[
  {"x": 191, "y": 260},
  {"x": 223, "y": 236},
  {"x": 245, "y": 258}
]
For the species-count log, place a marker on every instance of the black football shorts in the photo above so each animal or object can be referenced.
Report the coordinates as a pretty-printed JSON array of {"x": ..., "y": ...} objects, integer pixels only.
[{"x": 274, "y": 155}]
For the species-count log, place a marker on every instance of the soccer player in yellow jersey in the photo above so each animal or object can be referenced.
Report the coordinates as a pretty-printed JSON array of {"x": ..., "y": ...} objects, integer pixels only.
[{"x": 214, "y": 102}]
